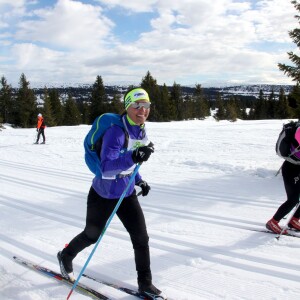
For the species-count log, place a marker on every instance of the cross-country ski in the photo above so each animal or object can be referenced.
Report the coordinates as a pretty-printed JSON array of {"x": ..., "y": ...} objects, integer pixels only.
[
  {"x": 120, "y": 287},
  {"x": 81, "y": 288}
]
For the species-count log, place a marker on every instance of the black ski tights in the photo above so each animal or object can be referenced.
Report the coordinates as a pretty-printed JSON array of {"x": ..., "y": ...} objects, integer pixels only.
[
  {"x": 290, "y": 174},
  {"x": 41, "y": 132},
  {"x": 131, "y": 215}
]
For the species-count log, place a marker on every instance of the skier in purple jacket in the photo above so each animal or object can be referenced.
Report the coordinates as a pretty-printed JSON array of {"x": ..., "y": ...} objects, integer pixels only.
[{"x": 117, "y": 166}]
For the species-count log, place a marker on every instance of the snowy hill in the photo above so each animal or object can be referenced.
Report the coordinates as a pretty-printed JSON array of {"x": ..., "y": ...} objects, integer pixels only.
[
  {"x": 211, "y": 183},
  {"x": 254, "y": 90}
]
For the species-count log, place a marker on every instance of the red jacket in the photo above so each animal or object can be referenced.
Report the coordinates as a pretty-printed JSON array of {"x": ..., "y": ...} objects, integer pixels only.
[{"x": 40, "y": 123}]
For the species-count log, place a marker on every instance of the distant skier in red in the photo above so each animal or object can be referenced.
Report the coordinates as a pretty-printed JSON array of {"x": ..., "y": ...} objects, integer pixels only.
[{"x": 40, "y": 128}]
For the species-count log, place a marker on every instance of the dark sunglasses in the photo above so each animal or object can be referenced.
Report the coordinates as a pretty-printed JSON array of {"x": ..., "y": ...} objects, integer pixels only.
[{"x": 139, "y": 105}]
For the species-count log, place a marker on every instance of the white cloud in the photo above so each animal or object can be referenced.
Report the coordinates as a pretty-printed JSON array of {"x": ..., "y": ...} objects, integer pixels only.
[
  {"x": 73, "y": 41},
  {"x": 30, "y": 55},
  {"x": 46, "y": 66},
  {"x": 273, "y": 20},
  {"x": 216, "y": 41},
  {"x": 10, "y": 10},
  {"x": 69, "y": 24}
]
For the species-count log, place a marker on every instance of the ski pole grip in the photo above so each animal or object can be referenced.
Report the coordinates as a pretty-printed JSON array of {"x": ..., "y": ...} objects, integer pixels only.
[{"x": 150, "y": 144}]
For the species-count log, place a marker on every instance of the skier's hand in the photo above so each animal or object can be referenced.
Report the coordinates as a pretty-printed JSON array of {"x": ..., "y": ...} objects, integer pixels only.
[
  {"x": 142, "y": 153},
  {"x": 37, "y": 129},
  {"x": 144, "y": 186}
]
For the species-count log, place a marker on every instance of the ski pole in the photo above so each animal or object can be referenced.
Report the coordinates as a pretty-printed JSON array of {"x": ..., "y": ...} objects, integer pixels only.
[
  {"x": 278, "y": 170},
  {"x": 106, "y": 226},
  {"x": 287, "y": 223},
  {"x": 36, "y": 137}
]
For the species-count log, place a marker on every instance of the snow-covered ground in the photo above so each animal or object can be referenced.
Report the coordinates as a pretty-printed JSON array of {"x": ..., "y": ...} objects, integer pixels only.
[{"x": 211, "y": 182}]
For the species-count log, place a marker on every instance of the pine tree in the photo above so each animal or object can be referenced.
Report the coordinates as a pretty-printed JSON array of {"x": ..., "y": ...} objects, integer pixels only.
[
  {"x": 26, "y": 105},
  {"x": 294, "y": 101},
  {"x": 220, "y": 106},
  {"x": 71, "y": 112},
  {"x": 47, "y": 110},
  {"x": 293, "y": 71},
  {"x": 98, "y": 99},
  {"x": 116, "y": 105},
  {"x": 167, "y": 110},
  {"x": 6, "y": 101},
  {"x": 271, "y": 105},
  {"x": 231, "y": 110},
  {"x": 177, "y": 100},
  {"x": 240, "y": 107},
  {"x": 56, "y": 107},
  {"x": 282, "y": 110},
  {"x": 260, "y": 107},
  {"x": 187, "y": 108},
  {"x": 201, "y": 105},
  {"x": 150, "y": 85}
]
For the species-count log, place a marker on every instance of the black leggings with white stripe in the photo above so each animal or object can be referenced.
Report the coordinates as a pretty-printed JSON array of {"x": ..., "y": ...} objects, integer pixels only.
[{"x": 291, "y": 179}]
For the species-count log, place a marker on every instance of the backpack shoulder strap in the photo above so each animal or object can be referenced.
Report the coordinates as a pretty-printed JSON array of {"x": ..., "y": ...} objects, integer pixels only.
[
  {"x": 125, "y": 131},
  {"x": 115, "y": 120}
]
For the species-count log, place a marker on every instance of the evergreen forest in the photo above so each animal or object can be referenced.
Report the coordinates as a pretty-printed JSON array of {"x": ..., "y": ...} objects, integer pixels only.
[{"x": 20, "y": 106}]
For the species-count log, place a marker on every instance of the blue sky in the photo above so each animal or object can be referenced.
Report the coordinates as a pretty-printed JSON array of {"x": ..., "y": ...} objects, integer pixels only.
[{"x": 213, "y": 43}]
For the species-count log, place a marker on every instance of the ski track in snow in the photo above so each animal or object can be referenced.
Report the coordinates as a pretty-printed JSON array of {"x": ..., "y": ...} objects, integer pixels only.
[{"x": 204, "y": 199}]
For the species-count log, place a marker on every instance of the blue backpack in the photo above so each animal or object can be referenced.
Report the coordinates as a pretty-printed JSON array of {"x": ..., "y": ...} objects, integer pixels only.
[{"x": 93, "y": 140}]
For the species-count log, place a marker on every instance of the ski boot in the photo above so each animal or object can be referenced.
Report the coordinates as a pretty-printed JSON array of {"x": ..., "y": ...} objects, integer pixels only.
[
  {"x": 294, "y": 224},
  {"x": 148, "y": 290},
  {"x": 66, "y": 266},
  {"x": 274, "y": 226}
]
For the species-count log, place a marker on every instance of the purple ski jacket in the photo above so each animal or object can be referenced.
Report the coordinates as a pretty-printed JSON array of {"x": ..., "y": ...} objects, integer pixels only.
[{"x": 115, "y": 159}]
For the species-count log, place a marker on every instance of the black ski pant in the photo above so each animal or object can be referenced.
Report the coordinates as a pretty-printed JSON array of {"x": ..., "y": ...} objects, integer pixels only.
[
  {"x": 41, "y": 132},
  {"x": 131, "y": 215},
  {"x": 291, "y": 179}
]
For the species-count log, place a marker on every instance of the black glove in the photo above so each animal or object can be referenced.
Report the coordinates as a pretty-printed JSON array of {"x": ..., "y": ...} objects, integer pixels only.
[
  {"x": 37, "y": 129},
  {"x": 142, "y": 153},
  {"x": 144, "y": 186}
]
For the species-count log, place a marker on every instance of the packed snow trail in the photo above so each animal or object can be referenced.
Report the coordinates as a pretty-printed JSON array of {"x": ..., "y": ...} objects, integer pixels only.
[{"x": 206, "y": 193}]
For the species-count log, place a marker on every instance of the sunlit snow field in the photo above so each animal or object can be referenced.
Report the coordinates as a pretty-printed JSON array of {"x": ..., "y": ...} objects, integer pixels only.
[{"x": 210, "y": 183}]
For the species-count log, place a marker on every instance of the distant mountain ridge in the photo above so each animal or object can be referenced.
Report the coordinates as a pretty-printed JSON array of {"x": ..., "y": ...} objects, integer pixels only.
[
  {"x": 255, "y": 89},
  {"x": 82, "y": 92}
]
